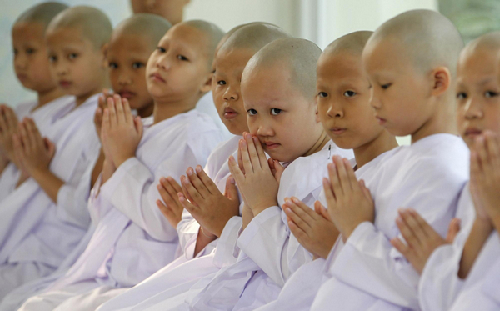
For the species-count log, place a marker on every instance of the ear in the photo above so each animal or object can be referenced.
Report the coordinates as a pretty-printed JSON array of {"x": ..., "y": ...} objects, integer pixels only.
[
  {"x": 315, "y": 103},
  {"x": 441, "y": 80},
  {"x": 104, "y": 52},
  {"x": 207, "y": 85}
]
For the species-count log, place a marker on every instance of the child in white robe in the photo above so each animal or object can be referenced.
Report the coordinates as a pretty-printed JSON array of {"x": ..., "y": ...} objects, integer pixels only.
[
  {"x": 413, "y": 91},
  {"x": 445, "y": 264},
  {"x": 129, "y": 48},
  {"x": 132, "y": 239},
  {"x": 32, "y": 68},
  {"x": 346, "y": 115},
  {"x": 46, "y": 216},
  {"x": 233, "y": 52}
]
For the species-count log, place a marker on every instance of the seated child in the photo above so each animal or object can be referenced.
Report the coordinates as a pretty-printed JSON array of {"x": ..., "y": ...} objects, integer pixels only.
[
  {"x": 33, "y": 71},
  {"x": 343, "y": 97},
  {"x": 46, "y": 216},
  {"x": 412, "y": 75},
  {"x": 278, "y": 88},
  {"x": 444, "y": 262},
  {"x": 216, "y": 209},
  {"x": 127, "y": 56},
  {"x": 132, "y": 239}
]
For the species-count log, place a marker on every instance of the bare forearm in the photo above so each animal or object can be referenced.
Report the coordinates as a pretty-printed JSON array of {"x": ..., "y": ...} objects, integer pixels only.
[
  {"x": 477, "y": 237},
  {"x": 202, "y": 240},
  {"x": 246, "y": 217},
  {"x": 49, "y": 182},
  {"x": 98, "y": 168}
]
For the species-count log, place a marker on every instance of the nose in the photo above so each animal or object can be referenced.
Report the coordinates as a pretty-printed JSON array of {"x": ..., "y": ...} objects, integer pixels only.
[
  {"x": 61, "y": 68},
  {"x": 473, "y": 108},
  {"x": 20, "y": 61},
  {"x": 374, "y": 100},
  {"x": 124, "y": 78},
  {"x": 335, "y": 111},
  {"x": 163, "y": 62},
  {"x": 230, "y": 94},
  {"x": 264, "y": 130}
]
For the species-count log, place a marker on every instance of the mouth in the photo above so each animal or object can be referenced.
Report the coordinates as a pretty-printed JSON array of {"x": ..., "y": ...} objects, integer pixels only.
[
  {"x": 472, "y": 132},
  {"x": 270, "y": 146},
  {"x": 126, "y": 94},
  {"x": 65, "y": 84},
  {"x": 229, "y": 113},
  {"x": 381, "y": 121},
  {"x": 22, "y": 76},
  {"x": 338, "y": 130},
  {"x": 157, "y": 77}
]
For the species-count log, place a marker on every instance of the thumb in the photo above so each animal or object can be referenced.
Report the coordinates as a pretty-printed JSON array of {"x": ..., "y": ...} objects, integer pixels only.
[
  {"x": 453, "y": 230},
  {"x": 231, "y": 192},
  {"x": 321, "y": 210},
  {"x": 51, "y": 148}
]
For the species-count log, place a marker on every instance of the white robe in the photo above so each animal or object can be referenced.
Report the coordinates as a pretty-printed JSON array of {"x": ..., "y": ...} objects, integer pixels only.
[
  {"x": 480, "y": 290},
  {"x": 302, "y": 178},
  {"x": 439, "y": 283},
  {"x": 368, "y": 273},
  {"x": 206, "y": 105},
  {"x": 183, "y": 272},
  {"x": 132, "y": 239},
  {"x": 44, "y": 118},
  {"x": 36, "y": 234}
]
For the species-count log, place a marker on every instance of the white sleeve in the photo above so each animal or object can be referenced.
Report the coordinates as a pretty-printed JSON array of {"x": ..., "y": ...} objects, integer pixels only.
[
  {"x": 227, "y": 250},
  {"x": 132, "y": 190},
  {"x": 72, "y": 197},
  {"x": 369, "y": 262},
  {"x": 187, "y": 230}
]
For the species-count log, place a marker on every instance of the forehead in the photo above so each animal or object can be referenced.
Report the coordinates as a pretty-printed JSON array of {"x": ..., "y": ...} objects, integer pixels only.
[
  {"x": 480, "y": 61},
  {"x": 28, "y": 31},
  {"x": 340, "y": 65},
  {"x": 385, "y": 54},
  {"x": 232, "y": 59},
  {"x": 66, "y": 37},
  {"x": 186, "y": 37},
  {"x": 126, "y": 43}
]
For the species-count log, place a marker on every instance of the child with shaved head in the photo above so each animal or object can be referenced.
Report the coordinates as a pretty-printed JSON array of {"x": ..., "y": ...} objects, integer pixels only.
[
  {"x": 343, "y": 97},
  {"x": 46, "y": 216},
  {"x": 444, "y": 262},
  {"x": 132, "y": 239},
  {"x": 32, "y": 68},
  {"x": 216, "y": 204},
  {"x": 412, "y": 76}
]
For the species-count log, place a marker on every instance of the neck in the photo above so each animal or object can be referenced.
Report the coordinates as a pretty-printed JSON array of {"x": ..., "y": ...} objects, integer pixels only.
[
  {"x": 369, "y": 151},
  {"x": 443, "y": 120},
  {"x": 83, "y": 98},
  {"x": 46, "y": 97},
  {"x": 146, "y": 111},
  {"x": 164, "y": 109},
  {"x": 319, "y": 144}
]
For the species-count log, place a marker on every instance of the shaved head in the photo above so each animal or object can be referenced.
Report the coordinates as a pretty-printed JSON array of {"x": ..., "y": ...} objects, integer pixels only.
[
  {"x": 94, "y": 24},
  {"x": 297, "y": 55},
  {"x": 353, "y": 43},
  {"x": 152, "y": 26},
  {"x": 42, "y": 13},
  {"x": 489, "y": 41},
  {"x": 213, "y": 34},
  {"x": 429, "y": 39},
  {"x": 253, "y": 36}
]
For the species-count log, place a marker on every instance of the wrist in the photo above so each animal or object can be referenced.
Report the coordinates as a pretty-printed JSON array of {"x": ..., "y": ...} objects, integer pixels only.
[
  {"x": 261, "y": 206},
  {"x": 120, "y": 160},
  {"x": 484, "y": 224},
  {"x": 37, "y": 172}
]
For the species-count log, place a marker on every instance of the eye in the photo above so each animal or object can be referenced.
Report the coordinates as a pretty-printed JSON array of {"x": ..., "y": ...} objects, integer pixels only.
[
  {"x": 461, "y": 95},
  {"x": 161, "y": 50},
  {"x": 53, "y": 59},
  {"x": 72, "y": 55},
  {"x": 30, "y": 51},
  {"x": 221, "y": 82},
  {"x": 490, "y": 94},
  {"x": 251, "y": 112},
  {"x": 113, "y": 65},
  {"x": 322, "y": 95},
  {"x": 182, "y": 57},
  {"x": 138, "y": 65},
  {"x": 14, "y": 51},
  {"x": 386, "y": 86},
  {"x": 275, "y": 111},
  {"x": 349, "y": 94}
]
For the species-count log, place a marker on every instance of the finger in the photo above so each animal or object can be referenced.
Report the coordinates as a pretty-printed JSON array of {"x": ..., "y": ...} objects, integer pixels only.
[
  {"x": 197, "y": 183},
  {"x": 235, "y": 170},
  {"x": 191, "y": 191},
  {"x": 51, "y": 147},
  {"x": 366, "y": 191},
  {"x": 298, "y": 232},
  {"x": 252, "y": 152},
  {"x": 321, "y": 210},
  {"x": 401, "y": 247},
  {"x": 260, "y": 152},
  {"x": 345, "y": 183},
  {"x": 481, "y": 152},
  {"x": 101, "y": 101},
  {"x": 127, "y": 111},
  {"x": 139, "y": 126},
  {"x": 297, "y": 220},
  {"x": 334, "y": 179},
  {"x": 425, "y": 227},
  {"x": 112, "y": 113},
  {"x": 168, "y": 193},
  {"x": 353, "y": 180},
  {"x": 245, "y": 157},
  {"x": 239, "y": 157},
  {"x": 11, "y": 118},
  {"x": 453, "y": 230},
  {"x": 231, "y": 191},
  {"x": 190, "y": 207},
  {"x": 120, "y": 115},
  {"x": 407, "y": 233},
  {"x": 207, "y": 181},
  {"x": 304, "y": 212},
  {"x": 25, "y": 139}
]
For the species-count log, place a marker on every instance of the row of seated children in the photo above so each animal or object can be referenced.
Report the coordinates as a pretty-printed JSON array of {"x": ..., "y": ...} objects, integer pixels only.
[{"x": 247, "y": 236}]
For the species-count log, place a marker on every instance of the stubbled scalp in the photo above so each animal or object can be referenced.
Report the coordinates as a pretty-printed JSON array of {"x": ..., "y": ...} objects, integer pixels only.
[
  {"x": 42, "y": 13},
  {"x": 151, "y": 26},
  {"x": 489, "y": 41},
  {"x": 94, "y": 24},
  {"x": 429, "y": 38},
  {"x": 298, "y": 55},
  {"x": 214, "y": 35},
  {"x": 253, "y": 36},
  {"x": 353, "y": 43}
]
